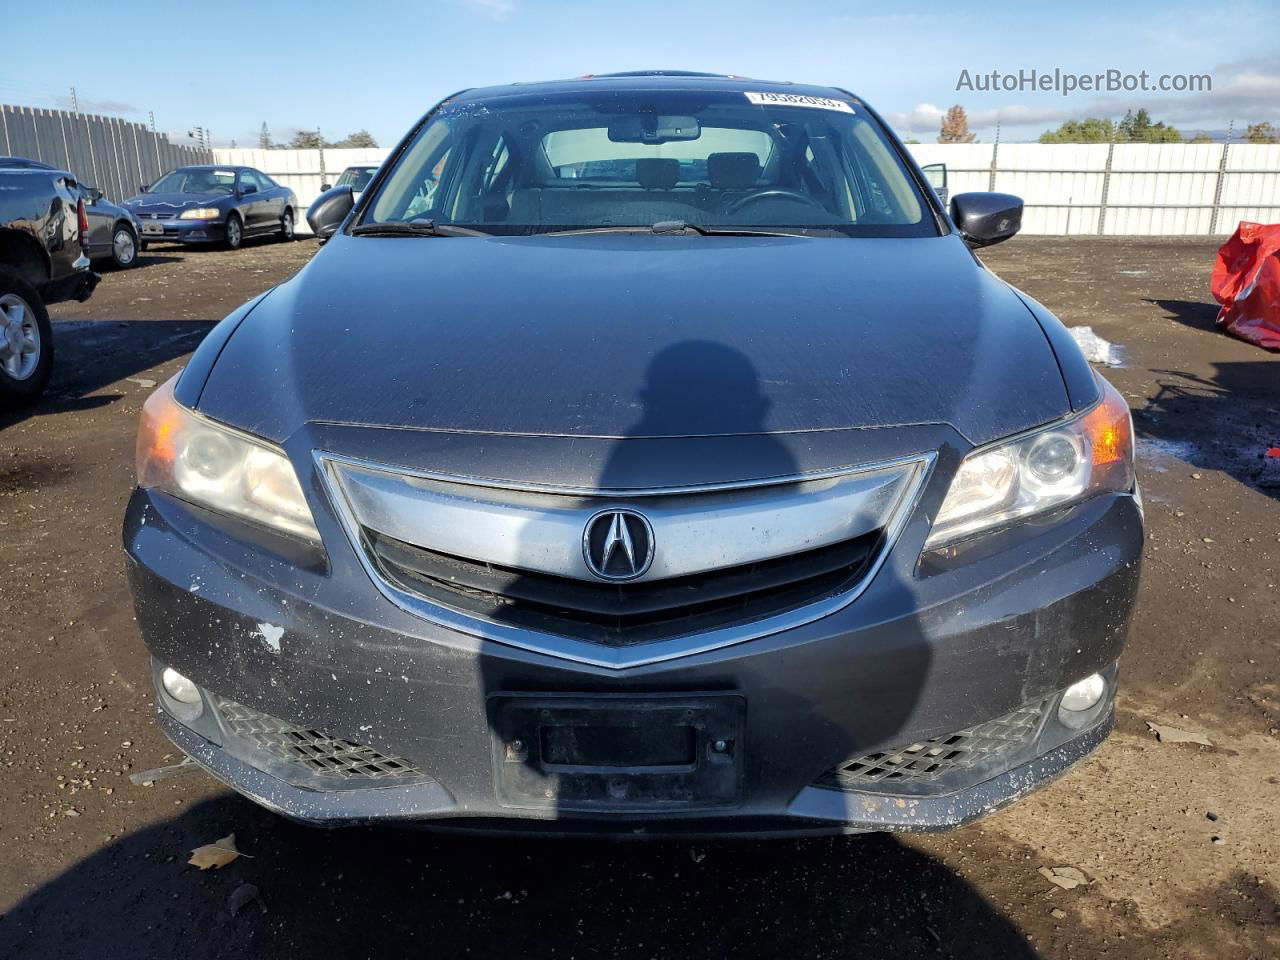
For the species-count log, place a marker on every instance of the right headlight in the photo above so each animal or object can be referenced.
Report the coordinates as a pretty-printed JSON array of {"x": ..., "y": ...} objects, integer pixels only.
[
  {"x": 200, "y": 213},
  {"x": 196, "y": 459},
  {"x": 1088, "y": 454}
]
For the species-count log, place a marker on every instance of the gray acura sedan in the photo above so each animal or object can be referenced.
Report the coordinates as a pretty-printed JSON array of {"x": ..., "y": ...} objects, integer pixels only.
[{"x": 704, "y": 481}]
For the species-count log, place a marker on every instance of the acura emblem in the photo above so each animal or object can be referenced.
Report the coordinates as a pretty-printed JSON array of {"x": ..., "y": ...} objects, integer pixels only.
[{"x": 618, "y": 545}]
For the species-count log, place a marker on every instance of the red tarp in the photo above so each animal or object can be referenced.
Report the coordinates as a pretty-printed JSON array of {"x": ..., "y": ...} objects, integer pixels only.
[{"x": 1246, "y": 281}]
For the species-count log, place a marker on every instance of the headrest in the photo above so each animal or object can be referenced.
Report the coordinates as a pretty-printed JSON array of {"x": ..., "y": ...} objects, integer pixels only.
[
  {"x": 657, "y": 173},
  {"x": 733, "y": 171}
]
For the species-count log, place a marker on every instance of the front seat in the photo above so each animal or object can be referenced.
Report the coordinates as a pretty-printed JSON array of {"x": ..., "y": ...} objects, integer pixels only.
[
  {"x": 658, "y": 173},
  {"x": 733, "y": 174}
]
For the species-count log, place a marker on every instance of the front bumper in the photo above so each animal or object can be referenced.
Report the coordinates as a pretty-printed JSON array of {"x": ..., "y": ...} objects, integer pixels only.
[
  {"x": 303, "y": 637},
  {"x": 182, "y": 231}
]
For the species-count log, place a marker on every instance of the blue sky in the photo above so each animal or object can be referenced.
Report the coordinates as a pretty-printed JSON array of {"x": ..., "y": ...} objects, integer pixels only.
[{"x": 381, "y": 65}]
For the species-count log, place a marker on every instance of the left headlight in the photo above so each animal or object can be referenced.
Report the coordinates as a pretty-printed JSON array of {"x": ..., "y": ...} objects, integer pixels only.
[
  {"x": 200, "y": 213},
  {"x": 1049, "y": 468},
  {"x": 195, "y": 459}
]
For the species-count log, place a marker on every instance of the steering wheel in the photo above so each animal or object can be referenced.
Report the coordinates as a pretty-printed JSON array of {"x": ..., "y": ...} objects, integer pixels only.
[{"x": 766, "y": 192}]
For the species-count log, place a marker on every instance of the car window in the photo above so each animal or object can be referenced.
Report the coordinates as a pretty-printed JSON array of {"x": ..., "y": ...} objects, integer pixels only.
[
  {"x": 357, "y": 177},
  {"x": 531, "y": 163},
  {"x": 248, "y": 177}
]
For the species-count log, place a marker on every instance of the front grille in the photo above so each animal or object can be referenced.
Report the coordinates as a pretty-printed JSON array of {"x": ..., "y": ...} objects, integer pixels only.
[
  {"x": 155, "y": 216},
  {"x": 928, "y": 761},
  {"x": 317, "y": 753},
  {"x": 628, "y": 613}
]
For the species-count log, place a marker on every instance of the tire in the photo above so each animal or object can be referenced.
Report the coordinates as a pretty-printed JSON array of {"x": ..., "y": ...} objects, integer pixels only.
[
  {"x": 286, "y": 226},
  {"x": 235, "y": 232},
  {"x": 142, "y": 246},
  {"x": 24, "y": 334},
  {"x": 124, "y": 246}
]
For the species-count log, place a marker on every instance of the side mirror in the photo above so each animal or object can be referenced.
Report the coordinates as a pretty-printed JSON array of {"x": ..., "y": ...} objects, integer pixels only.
[
  {"x": 327, "y": 211},
  {"x": 986, "y": 218},
  {"x": 247, "y": 189},
  {"x": 325, "y": 186},
  {"x": 143, "y": 187}
]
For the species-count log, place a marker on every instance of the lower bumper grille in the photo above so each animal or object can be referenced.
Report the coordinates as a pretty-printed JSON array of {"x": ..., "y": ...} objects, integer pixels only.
[
  {"x": 934, "y": 760},
  {"x": 623, "y": 614},
  {"x": 317, "y": 753}
]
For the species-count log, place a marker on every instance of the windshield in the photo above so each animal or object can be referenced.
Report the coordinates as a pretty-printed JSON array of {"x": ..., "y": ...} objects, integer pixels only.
[
  {"x": 358, "y": 177},
  {"x": 597, "y": 159},
  {"x": 196, "y": 181}
]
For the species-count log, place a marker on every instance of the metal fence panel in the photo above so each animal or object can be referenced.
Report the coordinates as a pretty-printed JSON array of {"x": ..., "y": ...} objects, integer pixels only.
[
  {"x": 112, "y": 154},
  {"x": 1157, "y": 189}
]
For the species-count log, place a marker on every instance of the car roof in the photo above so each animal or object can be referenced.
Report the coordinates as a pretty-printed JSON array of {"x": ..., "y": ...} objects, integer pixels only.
[
  {"x": 650, "y": 80},
  {"x": 17, "y": 163},
  {"x": 213, "y": 166}
]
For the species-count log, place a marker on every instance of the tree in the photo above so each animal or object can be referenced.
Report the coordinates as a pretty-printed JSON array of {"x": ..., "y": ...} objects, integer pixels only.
[
  {"x": 264, "y": 138},
  {"x": 306, "y": 140},
  {"x": 1201, "y": 137},
  {"x": 1092, "y": 130},
  {"x": 361, "y": 138},
  {"x": 1138, "y": 128},
  {"x": 1262, "y": 133},
  {"x": 955, "y": 127}
]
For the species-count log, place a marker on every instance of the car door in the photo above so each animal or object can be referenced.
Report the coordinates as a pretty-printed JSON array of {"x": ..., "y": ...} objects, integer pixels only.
[
  {"x": 249, "y": 192},
  {"x": 100, "y": 221},
  {"x": 276, "y": 197}
]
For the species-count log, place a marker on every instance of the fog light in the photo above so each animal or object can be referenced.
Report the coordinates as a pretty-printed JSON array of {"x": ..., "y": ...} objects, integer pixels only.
[
  {"x": 179, "y": 687},
  {"x": 1085, "y": 694}
]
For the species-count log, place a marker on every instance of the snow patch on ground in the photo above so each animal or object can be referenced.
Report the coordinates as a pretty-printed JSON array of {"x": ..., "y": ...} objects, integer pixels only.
[
  {"x": 1097, "y": 350},
  {"x": 1153, "y": 450}
]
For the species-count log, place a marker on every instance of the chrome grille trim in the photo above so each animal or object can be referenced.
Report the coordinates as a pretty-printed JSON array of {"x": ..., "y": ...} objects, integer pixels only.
[
  {"x": 913, "y": 473},
  {"x": 695, "y": 532}
]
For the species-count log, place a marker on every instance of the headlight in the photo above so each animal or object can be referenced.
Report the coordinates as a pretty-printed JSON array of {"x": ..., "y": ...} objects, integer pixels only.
[
  {"x": 200, "y": 213},
  {"x": 1091, "y": 453},
  {"x": 195, "y": 459}
]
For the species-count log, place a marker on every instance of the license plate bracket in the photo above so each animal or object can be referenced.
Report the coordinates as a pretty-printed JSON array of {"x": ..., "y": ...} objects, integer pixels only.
[{"x": 626, "y": 753}]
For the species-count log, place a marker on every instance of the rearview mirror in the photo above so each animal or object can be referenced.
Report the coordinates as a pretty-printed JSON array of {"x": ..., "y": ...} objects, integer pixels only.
[
  {"x": 325, "y": 186},
  {"x": 329, "y": 210},
  {"x": 986, "y": 218},
  {"x": 651, "y": 128}
]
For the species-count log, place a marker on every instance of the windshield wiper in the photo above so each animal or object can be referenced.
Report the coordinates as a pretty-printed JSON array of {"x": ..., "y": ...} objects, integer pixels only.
[{"x": 415, "y": 228}]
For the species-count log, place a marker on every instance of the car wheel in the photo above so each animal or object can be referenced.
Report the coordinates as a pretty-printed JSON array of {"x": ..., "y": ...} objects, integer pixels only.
[
  {"x": 124, "y": 247},
  {"x": 26, "y": 342},
  {"x": 286, "y": 226},
  {"x": 142, "y": 246},
  {"x": 235, "y": 232}
]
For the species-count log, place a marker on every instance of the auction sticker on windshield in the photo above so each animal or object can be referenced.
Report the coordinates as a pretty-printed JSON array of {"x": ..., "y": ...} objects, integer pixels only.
[{"x": 798, "y": 100}]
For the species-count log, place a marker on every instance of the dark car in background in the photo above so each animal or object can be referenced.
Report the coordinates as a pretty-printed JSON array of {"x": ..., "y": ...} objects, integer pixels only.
[
  {"x": 645, "y": 454},
  {"x": 356, "y": 176},
  {"x": 43, "y": 237},
  {"x": 214, "y": 204},
  {"x": 114, "y": 232}
]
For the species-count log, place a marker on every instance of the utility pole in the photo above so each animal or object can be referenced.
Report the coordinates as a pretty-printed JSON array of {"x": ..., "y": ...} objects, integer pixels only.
[
  {"x": 75, "y": 104},
  {"x": 152, "y": 115}
]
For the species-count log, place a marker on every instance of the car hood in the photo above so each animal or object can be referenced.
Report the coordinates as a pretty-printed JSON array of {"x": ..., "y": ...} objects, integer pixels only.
[
  {"x": 169, "y": 202},
  {"x": 625, "y": 335}
]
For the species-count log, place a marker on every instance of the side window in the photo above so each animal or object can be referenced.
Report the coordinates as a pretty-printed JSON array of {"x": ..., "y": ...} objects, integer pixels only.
[
  {"x": 418, "y": 177},
  {"x": 255, "y": 178}
]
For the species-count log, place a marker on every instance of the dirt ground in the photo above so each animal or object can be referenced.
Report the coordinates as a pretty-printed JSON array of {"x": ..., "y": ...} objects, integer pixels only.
[{"x": 1178, "y": 841}]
